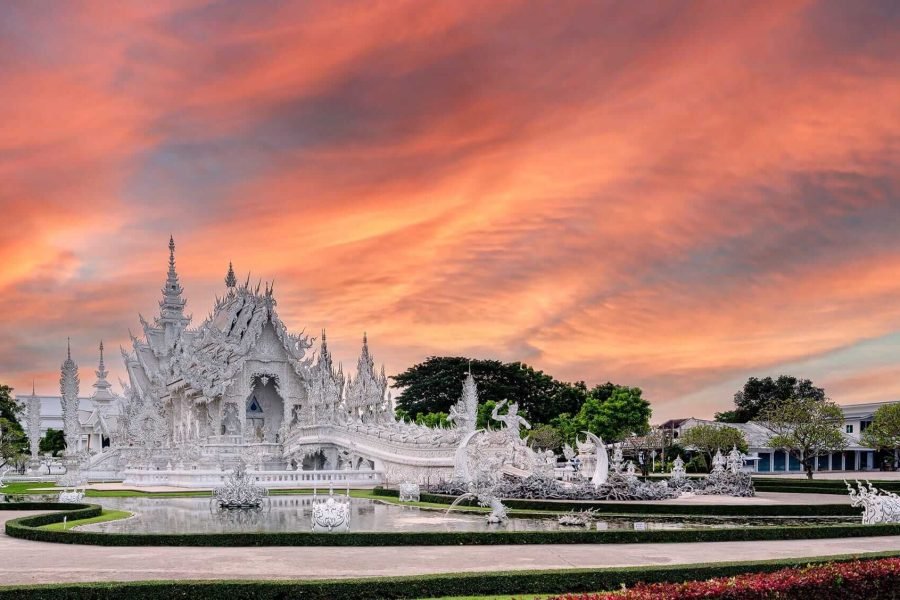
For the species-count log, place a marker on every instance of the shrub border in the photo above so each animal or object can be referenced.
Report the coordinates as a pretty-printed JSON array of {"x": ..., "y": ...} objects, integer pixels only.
[
  {"x": 425, "y": 586},
  {"x": 28, "y": 527}
]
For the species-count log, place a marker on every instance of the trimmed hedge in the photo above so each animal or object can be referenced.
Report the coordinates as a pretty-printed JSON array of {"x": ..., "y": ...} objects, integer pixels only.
[
  {"x": 428, "y": 586},
  {"x": 72, "y": 510},
  {"x": 28, "y": 528},
  {"x": 818, "y": 486}
]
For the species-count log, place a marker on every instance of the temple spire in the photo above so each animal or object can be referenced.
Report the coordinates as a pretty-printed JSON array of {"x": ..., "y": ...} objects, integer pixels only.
[
  {"x": 230, "y": 279},
  {"x": 102, "y": 395},
  {"x": 171, "y": 307}
]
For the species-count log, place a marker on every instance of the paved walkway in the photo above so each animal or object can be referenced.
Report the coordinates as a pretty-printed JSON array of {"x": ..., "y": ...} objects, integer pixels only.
[{"x": 26, "y": 562}]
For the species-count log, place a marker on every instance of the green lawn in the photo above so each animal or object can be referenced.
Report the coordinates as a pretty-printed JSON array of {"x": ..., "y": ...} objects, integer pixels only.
[{"x": 106, "y": 515}]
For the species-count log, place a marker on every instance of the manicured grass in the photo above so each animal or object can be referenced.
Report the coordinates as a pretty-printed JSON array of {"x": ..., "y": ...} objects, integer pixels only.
[
  {"x": 106, "y": 515},
  {"x": 25, "y": 487}
]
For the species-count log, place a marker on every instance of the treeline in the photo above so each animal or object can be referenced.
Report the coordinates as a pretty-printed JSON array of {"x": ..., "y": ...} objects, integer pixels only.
[{"x": 557, "y": 410}]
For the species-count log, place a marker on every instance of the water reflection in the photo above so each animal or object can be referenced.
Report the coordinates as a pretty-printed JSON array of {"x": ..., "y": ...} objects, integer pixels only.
[{"x": 293, "y": 513}]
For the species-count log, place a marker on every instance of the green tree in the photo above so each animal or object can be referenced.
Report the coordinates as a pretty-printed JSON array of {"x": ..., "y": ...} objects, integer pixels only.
[
  {"x": 709, "y": 438},
  {"x": 806, "y": 428},
  {"x": 436, "y": 384},
  {"x": 483, "y": 417},
  {"x": 13, "y": 441},
  {"x": 435, "y": 419},
  {"x": 546, "y": 437},
  {"x": 54, "y": 442},
  {"x": 624, "y": 412},
  {"x": 758, "y": 395},
  {"x": 884, "y": 431}
]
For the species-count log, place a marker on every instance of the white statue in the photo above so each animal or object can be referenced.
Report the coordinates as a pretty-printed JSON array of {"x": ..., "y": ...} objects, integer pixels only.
[
  {"x": 464, "y": 413},
  {"x": 71, "y": 495},
  {"x": 878, "y": 506},
  {"x": 718, "y": 462},
  {"x": 409, "y": 492},
  {"x": 677, "y": 469},
  {"x": 332, "y": 513},
  {"x": 511, "y": 419},
  {"x": 735, "y": 462},
  {"x": 617, "y": 460},
  {"x": 601, "y": 468},
  {"x": 239, "y": 491}
]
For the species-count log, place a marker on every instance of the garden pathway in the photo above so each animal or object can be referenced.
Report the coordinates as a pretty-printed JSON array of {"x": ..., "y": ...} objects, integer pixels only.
[{"x": 40, "y": 562}]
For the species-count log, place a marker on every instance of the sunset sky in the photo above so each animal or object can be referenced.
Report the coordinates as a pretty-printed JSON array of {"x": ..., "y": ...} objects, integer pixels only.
[{"x": 669, "y": 195}]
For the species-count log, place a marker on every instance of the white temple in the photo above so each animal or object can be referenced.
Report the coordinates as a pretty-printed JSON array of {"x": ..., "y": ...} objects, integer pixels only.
[{"x": 241, "y": 388}]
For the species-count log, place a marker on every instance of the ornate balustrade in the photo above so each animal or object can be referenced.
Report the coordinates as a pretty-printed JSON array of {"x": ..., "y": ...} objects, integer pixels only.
[{"x": 210, "y": 478}]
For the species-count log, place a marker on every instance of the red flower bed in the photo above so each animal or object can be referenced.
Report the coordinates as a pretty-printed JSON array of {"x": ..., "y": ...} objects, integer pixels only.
[{"x": 856, "y": 580}]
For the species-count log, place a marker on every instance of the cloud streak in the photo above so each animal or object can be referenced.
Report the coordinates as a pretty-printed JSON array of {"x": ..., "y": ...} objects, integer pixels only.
[{"x": 674, "y": 197}]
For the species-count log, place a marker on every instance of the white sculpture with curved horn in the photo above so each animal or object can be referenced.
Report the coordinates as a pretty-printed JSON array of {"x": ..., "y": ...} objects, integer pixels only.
[{"x": 601, "y": 472}]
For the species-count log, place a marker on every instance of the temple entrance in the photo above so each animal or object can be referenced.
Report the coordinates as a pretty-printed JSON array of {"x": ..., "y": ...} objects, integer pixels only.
[{"x": 264, "y": 410}]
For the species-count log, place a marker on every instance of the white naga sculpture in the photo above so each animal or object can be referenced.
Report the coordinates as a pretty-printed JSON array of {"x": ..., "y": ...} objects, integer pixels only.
[
  {"x": 409, "y": 492},
  {"x": 485, "y": 497},
  {"x": 331, "y": 513},
  {"x": 878, "y": 506}
]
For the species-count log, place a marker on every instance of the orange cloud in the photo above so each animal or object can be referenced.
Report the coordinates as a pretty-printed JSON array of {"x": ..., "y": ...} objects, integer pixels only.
[{"x": 670, "y": 198}]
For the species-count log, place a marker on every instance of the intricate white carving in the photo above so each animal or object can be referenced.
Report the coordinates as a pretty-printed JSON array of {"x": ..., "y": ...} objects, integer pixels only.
[
  {"x": 71, "y": 495},
  {"x": 582, "y": 518},
  {"x": 68, "y": 388},
  {"x": 331, "y": 513},
  {"x": 409, "y": 492},
  {"x": 239, "y": 491},
  {"x": 511, "y": 420},
  {"x": 878, "y": 506},
  {"x": 464, "y": 413}
]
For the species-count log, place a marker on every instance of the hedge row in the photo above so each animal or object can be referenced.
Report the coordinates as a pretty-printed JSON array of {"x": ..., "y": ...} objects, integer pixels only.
[
  {"x": 648, "y": 510},
  {"x": 817, "y": 486},
  {"x": 428, "y": 586},
  {"x": 28, "y": 528}
]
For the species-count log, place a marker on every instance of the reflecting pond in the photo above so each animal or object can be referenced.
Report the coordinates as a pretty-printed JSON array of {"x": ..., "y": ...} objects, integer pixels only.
[{"x": 287, "y": 513}]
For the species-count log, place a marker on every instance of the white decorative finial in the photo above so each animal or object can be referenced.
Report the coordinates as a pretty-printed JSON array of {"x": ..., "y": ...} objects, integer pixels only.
[
  {"x": 230, "y": 279},
  {"x": 69, "y": 348}
]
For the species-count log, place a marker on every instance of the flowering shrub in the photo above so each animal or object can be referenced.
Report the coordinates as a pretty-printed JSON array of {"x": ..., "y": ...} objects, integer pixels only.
[{"x": 855, "y": 580}]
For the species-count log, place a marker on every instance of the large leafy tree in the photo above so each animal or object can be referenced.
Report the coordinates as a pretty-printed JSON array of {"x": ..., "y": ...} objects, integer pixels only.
[
  {"x": 806, "y": 428},
  {"x": 710, "y": 438},
  {"x": 613, "y": 417},
  {"x": 884, "y": 432},
  {"x": 13, "y": 441},
  {"x": 54, "y": 442},
  {"x": 758, "y": 395},
  {"x": 546, "y": 437},
  {"x": 435, "y": 385}
]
